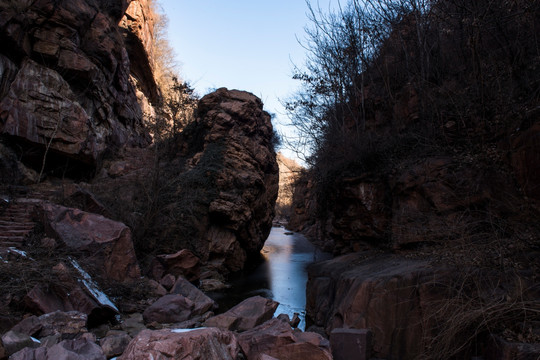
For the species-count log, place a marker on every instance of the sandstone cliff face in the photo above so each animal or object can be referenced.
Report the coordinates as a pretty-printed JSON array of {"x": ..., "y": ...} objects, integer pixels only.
[
  {"x": 65, "y": 78},
  {"x": 224, "y": 200},
  {"x": 289, "y": 171}
]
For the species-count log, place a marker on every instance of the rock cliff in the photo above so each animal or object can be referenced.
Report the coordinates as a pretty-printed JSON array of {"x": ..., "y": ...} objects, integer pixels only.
[
  {"x": 223, "y": 200},
  {"x": 76, "y": 80},
  {"x": 65, "y": 80}
]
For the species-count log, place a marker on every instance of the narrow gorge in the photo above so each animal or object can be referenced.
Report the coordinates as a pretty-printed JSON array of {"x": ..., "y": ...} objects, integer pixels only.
[{"x": 140, "y": 221}]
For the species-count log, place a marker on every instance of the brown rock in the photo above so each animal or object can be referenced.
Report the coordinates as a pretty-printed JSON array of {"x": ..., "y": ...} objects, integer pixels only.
[
  {"x": 249, "y": 313},
  {"x": 66, "y": 324},
  {"x": 80, "y": 349},
  {"x": 156, "y": 288},
  {"x": 74, "y": 294},
  {"x": 223, "y": 321},
  {"x": 169, "y": 309},
  {"x": 107, "y": 241},
  {"x": 202, "y": 302},
  {"x": 41, "y": 105},
  {"x": 232, "y": 215},
  {"x": 133, "y": 324},
  {"x": 70, "y": 87},
  {"x": 348, "y": 344},
  {"x": 168, "y": 281},
  {"x": 14, "y": 341},
  {"x": 388, "y": 294},
  {"x": 277, "y": 339},
  {"x": 47, "y": 298},
  {"x": 114, "y": 344},
  {"x": 28, "y": 326},
  {"x": 183, "y": 263},
  {"x": 206, "y": 343}
]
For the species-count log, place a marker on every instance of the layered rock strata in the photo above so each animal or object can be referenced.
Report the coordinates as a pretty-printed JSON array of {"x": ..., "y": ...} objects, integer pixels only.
[{"x": 65, "y": 78}]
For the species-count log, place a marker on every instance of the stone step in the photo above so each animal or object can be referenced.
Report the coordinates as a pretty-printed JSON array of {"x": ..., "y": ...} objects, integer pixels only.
[
  {"x": 11, "y": 241},
  {"x": 14, "y": 214},
  {"x": 17, "y": 226},
  {"x": 10, "y": 244},
  {"x": 14, "y": 232},
  {"x": 17, "y": 223}
]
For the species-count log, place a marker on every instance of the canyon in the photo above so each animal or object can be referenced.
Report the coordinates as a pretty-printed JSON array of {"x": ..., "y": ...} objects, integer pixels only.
[{"x": 115, "y": 229}]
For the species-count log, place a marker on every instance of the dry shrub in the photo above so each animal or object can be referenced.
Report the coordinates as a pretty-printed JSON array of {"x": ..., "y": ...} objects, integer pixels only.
[{"x": 493, "y": 291}]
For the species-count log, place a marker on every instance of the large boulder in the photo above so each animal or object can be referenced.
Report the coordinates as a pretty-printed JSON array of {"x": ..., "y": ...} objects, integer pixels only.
[
  {"x": 71, "y": 290},
  {"x": 65, "y": 79},
  {"x": 183, "y": 263},
  {"x": 223, "y": 205},
  {"x": 172, "y": 308},
  {"x": 205, "y": 343},
  {"x": 202, "y": 302},
  {"x": 386, "y": 294},
  {"x": 65, "y": 325},
  {"x": 80, "y": 349},
  {"x": 276, "y": 338},
  {"x": 246, "y": 315},
  {"x": 108, "y": 243}
]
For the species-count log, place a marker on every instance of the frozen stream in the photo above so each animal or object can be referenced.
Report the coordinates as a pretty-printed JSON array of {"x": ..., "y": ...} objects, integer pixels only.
[{"x": 282, "y": 276}]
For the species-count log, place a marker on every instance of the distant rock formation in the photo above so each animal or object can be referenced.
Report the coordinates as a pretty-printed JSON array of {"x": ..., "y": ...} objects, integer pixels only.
[{"x": 289, "y": 171}]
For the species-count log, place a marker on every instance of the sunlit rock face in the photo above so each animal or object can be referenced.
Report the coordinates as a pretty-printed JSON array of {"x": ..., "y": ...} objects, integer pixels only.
[
  {"x": 223, "y": 205},
  {"x": 65, "y": 78}
]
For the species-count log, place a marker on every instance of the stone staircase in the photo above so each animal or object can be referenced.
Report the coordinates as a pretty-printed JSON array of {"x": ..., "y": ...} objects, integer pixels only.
[{"x": 16, "y": 223}]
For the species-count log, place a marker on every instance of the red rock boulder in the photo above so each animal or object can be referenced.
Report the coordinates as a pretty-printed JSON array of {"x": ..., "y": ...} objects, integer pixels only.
[
  {"x": 276, "y": 338},
  {"x": 205, "y": 343},
  {"x": 80, "y": 349},
  {"x": 246, "y": 315},
  {"x": 172, "y": 308},
  {"x": 106, "y": 242},
  {"x": 183, "y": 263}
]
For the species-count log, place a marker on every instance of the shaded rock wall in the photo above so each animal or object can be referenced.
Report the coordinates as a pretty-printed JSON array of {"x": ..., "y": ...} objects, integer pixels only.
[
  {"x": 224, "y": 201},
  {"x": 65, "y": 78}
]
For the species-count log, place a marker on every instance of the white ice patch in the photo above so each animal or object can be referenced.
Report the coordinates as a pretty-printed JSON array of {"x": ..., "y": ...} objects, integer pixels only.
[
  {"x": 19, "y": 252},
  {"x": 93, "y": 288},
  {"x": 179, "y": 331},
  {"x": 35, "y": 340}
]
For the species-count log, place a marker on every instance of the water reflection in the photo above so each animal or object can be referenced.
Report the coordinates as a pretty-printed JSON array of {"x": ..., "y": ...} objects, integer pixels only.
[{"x": 282, "y": 276}]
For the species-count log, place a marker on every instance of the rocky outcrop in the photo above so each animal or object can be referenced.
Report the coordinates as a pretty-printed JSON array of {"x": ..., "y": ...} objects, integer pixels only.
[
  {"x": 435, "y": 200},
  {"x": 209, "y": 343},
  {"x": 386, "y": 295},
  {"x": 65, "y": 79},
  {"x": 138, "y": 29},
  {"x": 415, "y": 307},
  {"x": 223, "y": 204},
  {"x": 289, "y": 171}
]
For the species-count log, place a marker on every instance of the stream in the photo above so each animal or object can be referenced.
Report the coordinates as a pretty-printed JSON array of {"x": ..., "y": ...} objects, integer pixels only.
[{"x": 282, "y": 276}]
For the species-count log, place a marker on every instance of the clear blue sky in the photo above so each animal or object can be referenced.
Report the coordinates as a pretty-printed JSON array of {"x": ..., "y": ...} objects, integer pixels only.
[{"x": 239, "y": 44}]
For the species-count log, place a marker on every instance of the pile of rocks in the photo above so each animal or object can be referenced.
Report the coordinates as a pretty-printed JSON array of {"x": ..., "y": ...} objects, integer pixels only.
[{"x": 177, "y": 325}]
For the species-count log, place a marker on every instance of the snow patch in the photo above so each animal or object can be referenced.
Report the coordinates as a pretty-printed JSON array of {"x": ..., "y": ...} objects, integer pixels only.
[
  {"x": 179, "y": 331},
  {"x": 14, "y": 250},
  {"x": 93, "y": 288}
]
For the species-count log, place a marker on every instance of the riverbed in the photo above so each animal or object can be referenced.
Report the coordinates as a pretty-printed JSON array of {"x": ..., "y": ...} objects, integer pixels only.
[{"x": 282, "y": 275}]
